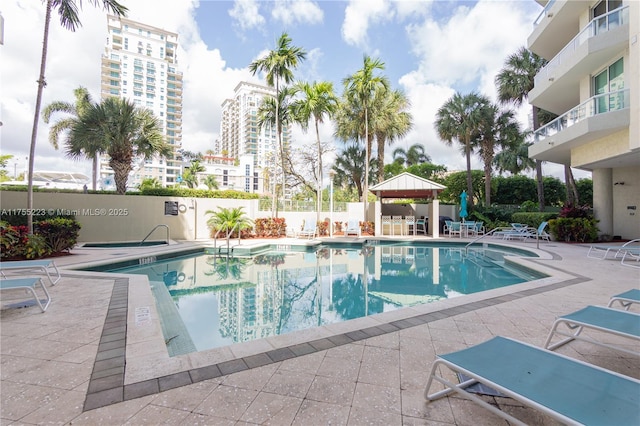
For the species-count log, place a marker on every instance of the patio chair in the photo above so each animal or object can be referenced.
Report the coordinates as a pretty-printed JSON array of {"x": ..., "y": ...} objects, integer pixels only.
[
  {"x": 310, "y": 230},
  {"x": 618, "y": 250},
  {"x": 396, "y": 221},
  {"x": 421, "y": 225},
  {"x": 32, "y": 265},
  {"x": 446, "y": 229},
  {"x": 631, "y": 255},
  {"x": 455, "y": 229},
  {"x": 386, "y": 221},
  {"x": 607, "y": 320},
  {"x": 625, "y": 299},
  {"x": 479, "y": 229},
  {"x": 353, "y": 227},
  {"x": 539, "y": 233},
  {"x": 29, "y": 285},
  {"x": 566, "y": 389},
  {"x": 410, "y": 223}
]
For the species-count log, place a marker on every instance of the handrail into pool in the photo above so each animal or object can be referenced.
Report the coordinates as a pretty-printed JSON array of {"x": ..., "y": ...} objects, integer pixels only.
[
  {"x": 156, "y": 227},
  {"x": 493, "y": 231},
  {"x": 215, "y": 237}
]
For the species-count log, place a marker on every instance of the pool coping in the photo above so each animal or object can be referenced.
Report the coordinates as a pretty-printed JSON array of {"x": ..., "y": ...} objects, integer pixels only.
[{"x": 109, "y": 383}]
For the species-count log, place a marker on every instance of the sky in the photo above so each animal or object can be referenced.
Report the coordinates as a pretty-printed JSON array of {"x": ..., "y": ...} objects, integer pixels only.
[{"x": 431, "y": 49}]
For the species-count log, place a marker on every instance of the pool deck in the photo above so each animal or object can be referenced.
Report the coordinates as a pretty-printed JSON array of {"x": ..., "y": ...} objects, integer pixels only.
[{"x": 97, "y": 356}]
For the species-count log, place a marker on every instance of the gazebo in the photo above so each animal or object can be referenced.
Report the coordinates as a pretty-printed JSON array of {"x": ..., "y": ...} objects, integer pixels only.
[{"x": 407, "y": 185}]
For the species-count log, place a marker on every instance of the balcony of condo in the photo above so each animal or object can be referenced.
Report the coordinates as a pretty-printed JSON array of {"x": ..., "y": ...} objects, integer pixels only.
[
  {"x": 596, "y": 118},
  {"x": 557, "y": 85}
]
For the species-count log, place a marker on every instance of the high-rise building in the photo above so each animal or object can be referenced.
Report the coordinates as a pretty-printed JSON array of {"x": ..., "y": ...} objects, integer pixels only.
[
  {"x": 140, "y": 63},
  {"x": 240, "y": 132},
  {"x": 592, "y": 82}
]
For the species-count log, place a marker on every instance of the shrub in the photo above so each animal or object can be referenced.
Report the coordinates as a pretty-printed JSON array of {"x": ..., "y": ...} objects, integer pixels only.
[
  {"x": 36, "y": 247},
  {"x": 60, "y": 234},
  {"x": 270, "y": 227},
  {"x": 582, "y": 230}
]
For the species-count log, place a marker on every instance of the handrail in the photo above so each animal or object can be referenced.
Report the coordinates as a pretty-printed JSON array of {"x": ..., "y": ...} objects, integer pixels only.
[
  {"x": 215, "y": 237},
  {"x": 598, "y": 104},
  {"x": 543, "y": 13},
  {"x": 156, "y": 227},
  {"x": 596, "y": 26},
  {"x": 506, "y": 228}
]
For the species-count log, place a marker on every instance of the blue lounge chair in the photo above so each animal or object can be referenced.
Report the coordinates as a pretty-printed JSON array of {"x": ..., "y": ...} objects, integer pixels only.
[
  {"x": 626, "y": 299},
  {"x": 32, "y": 265},
  {"x": 568, "y": 390},
  {"x": 27, "y": 284},
  {"x": 353, "y": 227},
  {"x": 539, "y": 233},
  {"x": 613, "y": 321}
]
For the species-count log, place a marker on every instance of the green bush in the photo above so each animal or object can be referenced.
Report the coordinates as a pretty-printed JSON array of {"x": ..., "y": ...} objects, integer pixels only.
[
  {"x": 59, "y": 233},
  {"x": 36, "y": 247},
  {"x": 198, "y": 193},
  {"x": 570, "y": 229},
  {"x": 533, "y": 219},
  {"x": 9, "y": 216}
]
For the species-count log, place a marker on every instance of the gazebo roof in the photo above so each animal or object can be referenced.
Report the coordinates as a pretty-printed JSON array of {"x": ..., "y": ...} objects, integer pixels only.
[{"x": 406, "y": 185}]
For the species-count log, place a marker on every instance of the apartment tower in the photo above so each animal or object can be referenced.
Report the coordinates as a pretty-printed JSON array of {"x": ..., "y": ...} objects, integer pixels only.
[
  {"x": 592, "y": 82},
  {"x": 240, "y": 133},
  {"x": 140, "y": 63}
]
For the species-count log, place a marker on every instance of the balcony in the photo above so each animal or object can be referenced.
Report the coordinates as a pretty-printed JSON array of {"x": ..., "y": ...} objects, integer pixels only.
[
  {"x": 557, "y": 85},
  {"x": 558, "y": 23},
  {"x": 597, "y": 117}
]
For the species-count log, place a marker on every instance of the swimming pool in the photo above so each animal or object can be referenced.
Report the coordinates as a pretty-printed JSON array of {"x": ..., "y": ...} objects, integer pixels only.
[{"x": 208, "y": 300}]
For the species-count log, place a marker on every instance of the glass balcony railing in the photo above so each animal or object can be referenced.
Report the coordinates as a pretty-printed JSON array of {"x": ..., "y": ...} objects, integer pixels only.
[
  {"x": 599, "y": 25},
  {"x": 544, "y": 12},
  {"x": 599, "y": 104}
]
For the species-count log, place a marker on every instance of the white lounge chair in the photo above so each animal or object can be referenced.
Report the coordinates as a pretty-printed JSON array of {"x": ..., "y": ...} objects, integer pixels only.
[
  {"x": 595, "y": 251},
  {"x": 29, "y": 285},
  {"x": 310, "y": 230},
  {"x": 631, "y": 255},
  {"x": 568, "y": 390},
  {"x": 32, "y": 265},
  {"x": 626, "y": 299},
  {"x": 540, "y": 233},
  {"x": 353, "y": 228},
  {"x": 607, "y": 320}
]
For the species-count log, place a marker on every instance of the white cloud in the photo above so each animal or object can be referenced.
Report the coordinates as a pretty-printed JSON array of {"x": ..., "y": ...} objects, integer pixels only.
[
  {"x": 246, "y": 15},
  {"x": 291, "y": 12},
  {"x": 359, "y": 15}
]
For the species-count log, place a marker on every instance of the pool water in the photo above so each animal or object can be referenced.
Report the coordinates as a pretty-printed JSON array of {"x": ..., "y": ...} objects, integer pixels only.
[{"x": 212, "y": 300}]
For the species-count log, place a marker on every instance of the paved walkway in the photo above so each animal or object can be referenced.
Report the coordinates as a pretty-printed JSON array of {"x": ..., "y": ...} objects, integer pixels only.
[{"x": 100, "y": 342}]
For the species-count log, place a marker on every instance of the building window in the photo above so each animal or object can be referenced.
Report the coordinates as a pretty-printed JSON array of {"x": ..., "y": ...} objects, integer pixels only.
[
  {"x": 225, "y": 177},
  {"x": 610, "y": 80}
]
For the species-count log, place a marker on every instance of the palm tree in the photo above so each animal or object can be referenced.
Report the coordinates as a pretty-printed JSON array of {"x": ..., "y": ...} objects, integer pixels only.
[
  {"x": 122, "y": 130},
  {"x": 414, "y": 155},
  {"x": 272, "y": 111},
  {"x": 68, "y": 11},
  {"x": 458, "y": 119},
  {"x": 228, "y": 220},
  {"x": 391, "y": 121},
  {"x": 514, "y": 159},
  {"x": 211, "y": 182},
  {"x": 361, "y": 88},
  {"x": 73, "y": 111},
  {"x": 149, "y": 183},
  {"x": 318, "y": 101},
  {"x": 278, "y": 65},
  {"x": 349, "y": 168},
  {"x": 190, "y": 176},
  {"x": 498, "y": 129},
  {"x": 515, "y": 81}
]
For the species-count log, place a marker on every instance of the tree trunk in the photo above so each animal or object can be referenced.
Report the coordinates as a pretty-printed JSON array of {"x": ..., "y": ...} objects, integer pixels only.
[
  {"x": 536, "y": 125},
  {"x": 381, "y": 143},
  {"x": 570, "y": 184},
  {"x": 36, "y": 116},
  {"x": 366, "y": 162},
  {"x": 319, "y": 189},
  {"x": 120, "y": 175},
  {"x": 467, "y": 150},
  {"x": 94, "y": 177}
]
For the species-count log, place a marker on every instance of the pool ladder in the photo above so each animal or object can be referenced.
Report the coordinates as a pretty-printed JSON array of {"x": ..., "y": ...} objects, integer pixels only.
[
  {"x": 156, "y": 227},
  {"x": 215, "y": 239}
]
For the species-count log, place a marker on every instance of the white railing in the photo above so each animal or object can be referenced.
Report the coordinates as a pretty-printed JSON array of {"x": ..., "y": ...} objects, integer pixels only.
[
  {"x": 544, "y": 12},
  {"x": 599, "y": 25},
  {"x": 599, "y": 104}
]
